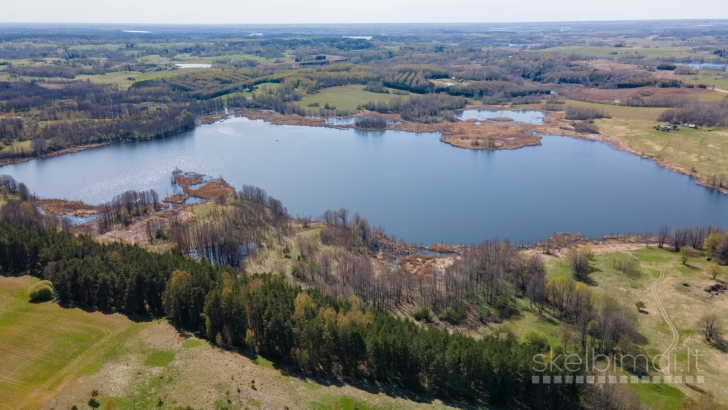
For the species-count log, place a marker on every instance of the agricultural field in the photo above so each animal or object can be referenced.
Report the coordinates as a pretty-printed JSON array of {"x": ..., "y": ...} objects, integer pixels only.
[
  {"x": 124, "y": 79},
  {"x": 716, "y": 79},
  {"x": 44, "y": 347},
  {"x": 346, "y": 97}
]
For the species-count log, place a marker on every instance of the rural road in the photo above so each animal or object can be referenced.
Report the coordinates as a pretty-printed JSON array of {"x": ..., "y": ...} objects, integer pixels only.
[{"x": 675, "y": 335}]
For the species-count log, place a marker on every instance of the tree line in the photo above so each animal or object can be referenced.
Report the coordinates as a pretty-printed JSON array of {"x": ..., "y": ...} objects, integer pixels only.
[{"x": 306, "y": 330}]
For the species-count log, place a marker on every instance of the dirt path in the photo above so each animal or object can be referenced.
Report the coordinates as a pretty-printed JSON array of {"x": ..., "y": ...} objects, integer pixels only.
[
  {"x": 673, "y": 329},
  {"x": 45, "y": 392}
]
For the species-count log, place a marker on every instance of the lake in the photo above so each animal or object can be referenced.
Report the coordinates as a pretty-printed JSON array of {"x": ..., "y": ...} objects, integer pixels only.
[{"x": 416, "y": 187}]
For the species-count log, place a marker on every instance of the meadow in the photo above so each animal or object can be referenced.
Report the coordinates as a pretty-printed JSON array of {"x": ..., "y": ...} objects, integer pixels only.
[
  {"x": 346, "y": 97},
  {"x": 44, "y": 347}
]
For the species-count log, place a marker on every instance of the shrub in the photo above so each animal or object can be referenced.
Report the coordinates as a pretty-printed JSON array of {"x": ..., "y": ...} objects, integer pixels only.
[
  {"x": 685, "y": 70},
  {"x": 625, "y": 265},
  {"x": 584, "y": 113},
  {"x": 371, "y": 122},
  {"x": 420, "y": 313},
  {"x": 586, "y": 128},
  {"x": 41, "y": 291},
  {"x": 666, "y": 66},
  {"x": 452, "y": 315},
  {"x": 553, "y": 107}
]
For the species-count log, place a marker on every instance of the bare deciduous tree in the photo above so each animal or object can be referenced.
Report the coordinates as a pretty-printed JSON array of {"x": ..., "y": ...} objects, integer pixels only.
[{"x": 710, "y": 325}]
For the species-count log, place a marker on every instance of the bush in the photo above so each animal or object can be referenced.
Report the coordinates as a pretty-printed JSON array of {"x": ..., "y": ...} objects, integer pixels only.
[
  {"x": 420, "y": 313},
  {"x": 666, "y": 66},
  {"x": 553, "y": 107},
  {"x": 685, "y": 70},
  {"x": 41, "y": 291},
  {"x": 584, "y": 113},
  {"x": 371, "y": 122},
  {"x": 625, "y": 265},
  {"x": 452, "y": 315},
  {"x": 586, "y": 128}
]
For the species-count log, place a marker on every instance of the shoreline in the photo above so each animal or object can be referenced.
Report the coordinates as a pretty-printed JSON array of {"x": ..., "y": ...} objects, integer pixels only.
[
  {"x": 490, "y": 135},
  {"x": 622, "y": 144}
]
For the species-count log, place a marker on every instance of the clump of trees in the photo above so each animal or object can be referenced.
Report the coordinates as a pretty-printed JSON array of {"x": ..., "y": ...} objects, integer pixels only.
[
  {"x": 376, "y": 87},
  {"x": 425, "y": 108},
  {"x": 586, "y": 128},
  {"x": 371, "y": 122},
  {"x": 699, "y": 113},
  {"x": 579, "y": 262},
  {"x": 123, "y": 208},
  {"x": 40, "y": 291},
  {"x": 585, "y": 113},
  {"x": 235, "y": 230}
]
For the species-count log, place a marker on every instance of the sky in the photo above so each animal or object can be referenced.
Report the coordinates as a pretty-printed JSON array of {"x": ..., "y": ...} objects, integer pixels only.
[{"x": 352, "y": 11}]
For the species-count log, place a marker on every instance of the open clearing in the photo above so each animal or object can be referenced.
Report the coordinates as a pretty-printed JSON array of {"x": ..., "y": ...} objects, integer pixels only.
[
  {"x": 44, "y": 347},
  {"x": 346, "y": 97}
]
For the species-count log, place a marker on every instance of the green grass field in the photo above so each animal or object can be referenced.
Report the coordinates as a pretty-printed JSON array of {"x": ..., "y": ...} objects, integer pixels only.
[
  {"x": 19, "y": 146},
  {"x": 345, "y": 97},
  {"x": 44, "y": 347},
  {"x": 121, "y": 78},
  {"x": 710, "y": 78}
]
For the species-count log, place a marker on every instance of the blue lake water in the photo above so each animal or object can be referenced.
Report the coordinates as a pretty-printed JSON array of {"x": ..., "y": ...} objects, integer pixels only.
[
  {"x": 416, "y": 187},
  {"x": 527, "y": 116}
]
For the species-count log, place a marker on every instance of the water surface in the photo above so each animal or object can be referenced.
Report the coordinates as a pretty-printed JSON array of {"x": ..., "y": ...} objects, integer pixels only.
[
  {"x": 193, "y": 65},
  {"x": 527, "y": 116},
  {"x": 418, "y": 188}
]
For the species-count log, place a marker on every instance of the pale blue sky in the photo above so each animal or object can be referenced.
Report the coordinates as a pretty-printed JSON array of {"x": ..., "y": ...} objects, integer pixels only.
[{"x": 353, "y": 11}]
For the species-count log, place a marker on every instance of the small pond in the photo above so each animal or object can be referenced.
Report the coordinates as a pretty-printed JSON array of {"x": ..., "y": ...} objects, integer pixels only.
[
  {"x": 193, "y": 65},
  {"x": 527, "y": 116}
]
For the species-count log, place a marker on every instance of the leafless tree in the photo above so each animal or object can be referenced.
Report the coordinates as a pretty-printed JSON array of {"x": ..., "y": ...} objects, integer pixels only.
[{"x": 710, "y": 325}]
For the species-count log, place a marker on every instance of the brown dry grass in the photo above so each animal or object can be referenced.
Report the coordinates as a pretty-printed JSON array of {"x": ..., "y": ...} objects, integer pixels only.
[
  {"x": 62, "y": 206},
  {"x": 204, "y": 376},
  {"x": 609, "y": 95},
  {"x": 212, "y": 189},
  {"x": 181, "y": 179},
  {"x": 176, "y": 199},
  {"x": 442, "y": 248},
  {"x": 209, "y": 190},
  {"x": 417, "y": 264}
]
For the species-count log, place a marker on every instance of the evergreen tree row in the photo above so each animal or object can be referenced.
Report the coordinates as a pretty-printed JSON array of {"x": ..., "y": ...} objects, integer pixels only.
[{"x": 306, "y": 330}]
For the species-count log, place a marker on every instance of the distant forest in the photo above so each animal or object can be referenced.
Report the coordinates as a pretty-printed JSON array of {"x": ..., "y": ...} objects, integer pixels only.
[{"x": 55, "y": 94}]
